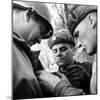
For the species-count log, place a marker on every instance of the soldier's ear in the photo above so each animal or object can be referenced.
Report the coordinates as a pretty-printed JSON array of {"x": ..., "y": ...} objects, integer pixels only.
[
  {"x": 26, "y": 16},
  {"x": 92, "y": 20}
]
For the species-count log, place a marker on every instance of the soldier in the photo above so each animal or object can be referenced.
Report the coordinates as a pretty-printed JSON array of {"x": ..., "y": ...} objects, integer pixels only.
[
  {"x": 73, "y": 78},
  {"x": 82, "y": 23},
  {"x": 79, "y": 74},
  {"x": 31, "y": 23}
]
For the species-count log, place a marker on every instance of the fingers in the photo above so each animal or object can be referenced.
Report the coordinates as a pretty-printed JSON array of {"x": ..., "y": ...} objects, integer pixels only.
[
  {"x": 41, "y": 72},
  {"x": 74, "y": 67},
  {"x": 60, "y": 75},
  {"x": 40, "y": 75},
  {"x": 75, "y": 73}
]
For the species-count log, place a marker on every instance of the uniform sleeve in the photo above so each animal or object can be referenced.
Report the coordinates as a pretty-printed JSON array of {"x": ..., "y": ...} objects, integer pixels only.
[
  {"x": 25, "y": 83},
  {"x": 64, "y": 89}
]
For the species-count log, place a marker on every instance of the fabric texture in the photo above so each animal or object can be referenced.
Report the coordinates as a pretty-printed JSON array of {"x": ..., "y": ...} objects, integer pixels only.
[
  {"x": 65, "y": 89},
  {"x": 25, "y": 83},
  {"x": 79, "y": 75}
]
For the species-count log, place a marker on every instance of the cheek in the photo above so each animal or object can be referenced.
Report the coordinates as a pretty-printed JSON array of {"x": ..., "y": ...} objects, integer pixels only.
[
  {"x": 35, "y": 32},
  {"x": 68, "y": 58},
  {"x": 90, "y": 44},
  {"x": 83, "y": 37},
  {"x": 68, "y": 54},
  {"x": 54, "y": 55},
  {"x": 88, "y": 39},
  {"x": 82, "y": 30},
  {"x": 91, "y": 37},
  {"x": 82, "y": 34}
]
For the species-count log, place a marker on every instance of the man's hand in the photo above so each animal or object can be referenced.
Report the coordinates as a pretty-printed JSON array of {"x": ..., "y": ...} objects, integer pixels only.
[
  {"x": 48, "y": 80},
  {"x": 77, "y": 75},
  {"x": 62, "y": 77}
]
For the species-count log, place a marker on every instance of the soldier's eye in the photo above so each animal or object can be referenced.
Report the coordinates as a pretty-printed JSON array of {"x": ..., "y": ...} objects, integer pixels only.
[
  {"x": 63, "y": 49},
  {"x": 76, "y": 34},
  {"x": 54, "y": 50}
]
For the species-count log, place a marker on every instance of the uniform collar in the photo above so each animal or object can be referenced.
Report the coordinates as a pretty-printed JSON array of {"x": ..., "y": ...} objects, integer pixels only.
[{"x": 17, "y": 39}]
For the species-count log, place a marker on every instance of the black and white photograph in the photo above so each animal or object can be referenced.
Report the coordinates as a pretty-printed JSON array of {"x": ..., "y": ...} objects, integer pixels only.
[{"x": 54, "y": 49}]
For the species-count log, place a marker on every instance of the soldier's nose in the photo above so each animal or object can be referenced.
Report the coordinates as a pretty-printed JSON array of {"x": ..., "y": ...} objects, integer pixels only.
[{"x": 78, "y": 43}]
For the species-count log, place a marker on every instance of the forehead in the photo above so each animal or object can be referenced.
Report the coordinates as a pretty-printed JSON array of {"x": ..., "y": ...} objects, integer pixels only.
[{"x": 60, "y": 45}]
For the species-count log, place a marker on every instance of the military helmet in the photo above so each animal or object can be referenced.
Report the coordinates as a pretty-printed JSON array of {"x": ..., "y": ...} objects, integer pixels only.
[
  {"x": 61, "y": 36},
  {"x": 77, "y": 13},
  {"x": 42, "y": 11}
]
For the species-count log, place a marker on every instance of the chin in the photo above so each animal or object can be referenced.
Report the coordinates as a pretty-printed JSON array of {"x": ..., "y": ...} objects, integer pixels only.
[
  {"x": 60, "y": 64},
  {"x": 91, "y": 51}
]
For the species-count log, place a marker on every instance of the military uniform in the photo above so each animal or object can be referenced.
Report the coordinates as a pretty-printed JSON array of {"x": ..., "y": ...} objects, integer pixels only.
[
  {"x": 76, "y": 14},
  {"x": 79, "y": 74},
  {"x": 24, "y": 61},
  {"x": 25, "y": 84}
]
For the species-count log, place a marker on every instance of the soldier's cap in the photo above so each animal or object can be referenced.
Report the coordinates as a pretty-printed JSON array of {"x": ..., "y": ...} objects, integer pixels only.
[
  {"x": 61, "y": 36},
  {"x": 42, "y": 12},
  {"x": 77, "y": 13}
]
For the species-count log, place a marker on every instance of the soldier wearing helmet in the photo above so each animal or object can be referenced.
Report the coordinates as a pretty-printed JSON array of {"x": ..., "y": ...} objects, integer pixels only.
[
  {"x": 31, "y": 23},
  {"x": 82, "y": 23}
]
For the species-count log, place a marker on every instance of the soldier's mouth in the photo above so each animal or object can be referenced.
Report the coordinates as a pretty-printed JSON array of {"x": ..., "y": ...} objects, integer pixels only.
[{"x": 60, "y": 60}]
